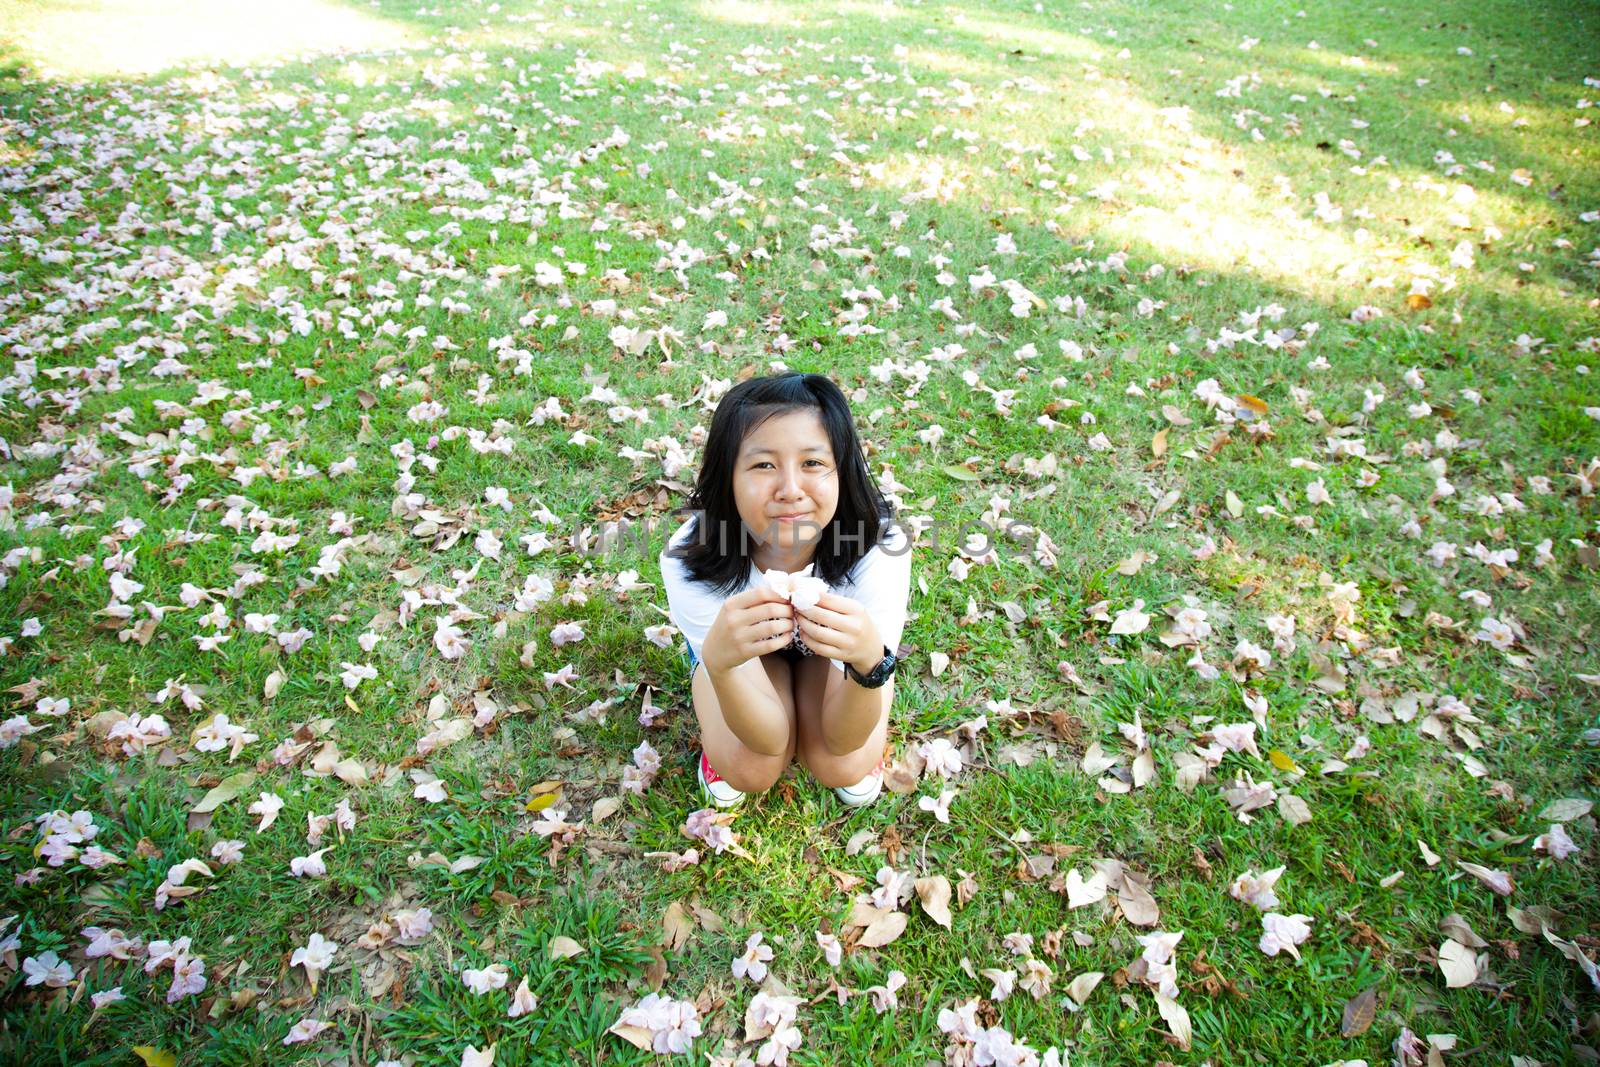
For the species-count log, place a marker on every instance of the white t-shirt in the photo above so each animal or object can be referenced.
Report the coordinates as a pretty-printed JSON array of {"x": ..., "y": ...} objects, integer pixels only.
[{"x": 882, "y": 585}]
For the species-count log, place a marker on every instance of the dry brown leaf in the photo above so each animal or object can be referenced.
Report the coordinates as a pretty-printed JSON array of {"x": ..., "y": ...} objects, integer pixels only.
[
  {"x": 1456, "y": 928},
  {"x": 233, "y": 786},
  {"x": 1568, "y": 810},
  {"x": 604, "y": 808},
  {"x": 1359, "y": 1013},
  {"x": 1533, "y": 920},
  {"x": 934, "y": 893},
  {"x": 637, "y": 1036},
  {"x": 864, "y": 913},
  {"x": 1459, "y": 964},
  {"x": 655, "y": 972},
  {"x": 676, "y": 926},
  {"x": 1570, "y": 950},
  {"x": 1293, "y": 809},
  {"x": 883, "y": 931},
  {"x": 351, "y": 772},
  {"x": 1144, "y": 769},
  {"x": 1177, "y": 1019},
  {"x": 564, "y": 948},
  {"x": 1083, "y": 985},
  {"x": 1137, "y": 905}
]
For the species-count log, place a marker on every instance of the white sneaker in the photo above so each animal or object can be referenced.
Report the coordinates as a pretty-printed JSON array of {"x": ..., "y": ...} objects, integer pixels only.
[
  {"x": 714, "y": 789},
  {"x": 863, "y": 792}
]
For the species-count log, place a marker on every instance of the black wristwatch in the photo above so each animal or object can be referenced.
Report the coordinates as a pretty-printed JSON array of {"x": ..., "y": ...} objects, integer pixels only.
[{"x": 874, "y": 678}]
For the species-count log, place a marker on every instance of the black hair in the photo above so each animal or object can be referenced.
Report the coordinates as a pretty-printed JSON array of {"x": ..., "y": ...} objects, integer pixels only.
[{"x": 860, "y": 521}]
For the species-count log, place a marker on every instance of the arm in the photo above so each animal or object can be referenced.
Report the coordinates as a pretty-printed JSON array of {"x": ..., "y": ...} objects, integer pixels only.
[
  {"x": 855, "y": 629},
  {"x": 748, "y": 626},
  {"x": 841, "y": 629}
]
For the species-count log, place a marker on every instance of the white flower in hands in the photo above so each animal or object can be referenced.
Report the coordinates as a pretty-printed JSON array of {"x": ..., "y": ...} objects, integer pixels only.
[
  {"x": 798, "y": 588},
  {"x": 315, "y": 956},
  {"x": 1281, "y": 933},
  {"x": 753, "y": 964}
]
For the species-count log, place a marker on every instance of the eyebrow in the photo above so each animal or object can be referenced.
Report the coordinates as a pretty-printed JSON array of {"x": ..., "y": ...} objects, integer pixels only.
[{"x": 773, "y": 452}]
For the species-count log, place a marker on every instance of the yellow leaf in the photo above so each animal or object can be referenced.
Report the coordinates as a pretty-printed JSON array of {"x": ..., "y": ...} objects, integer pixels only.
[
  {"x": 1235, "y": 505},
  {"x": 154, "y": 1057},
  {"x": 542, "y": 801},
  {"x": 352, "y": 705},
  {"x": 1254, "y": 403},
  {"x": 1158, "y": 443},
  {"x": 1281, "y": 760},
  {"x": 1418, "y": 301}
]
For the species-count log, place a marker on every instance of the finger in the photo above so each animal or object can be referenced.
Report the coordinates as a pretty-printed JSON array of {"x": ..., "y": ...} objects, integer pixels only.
[
  {"x": 767, "y": 612},
  {"x": 836, "y": 620},
  {"x": 821, "y": 638},
  {"x": 836, "y": 603}
]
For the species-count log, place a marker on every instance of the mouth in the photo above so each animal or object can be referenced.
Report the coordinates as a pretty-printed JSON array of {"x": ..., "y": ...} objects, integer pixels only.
[{"x": 791, "y": 518}]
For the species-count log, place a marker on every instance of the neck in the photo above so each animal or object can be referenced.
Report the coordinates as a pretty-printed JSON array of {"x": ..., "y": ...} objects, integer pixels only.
[{"x": 770, "y": 557}]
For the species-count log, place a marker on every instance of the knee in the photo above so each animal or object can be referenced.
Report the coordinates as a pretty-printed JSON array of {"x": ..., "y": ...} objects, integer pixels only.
[
  {"x": 755, "y": 776},
  {"x": 839, "y": 773}
]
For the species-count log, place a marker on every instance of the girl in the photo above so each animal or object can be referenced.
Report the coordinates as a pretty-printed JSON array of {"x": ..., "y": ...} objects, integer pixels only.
[{"x": 784, "y": 487}]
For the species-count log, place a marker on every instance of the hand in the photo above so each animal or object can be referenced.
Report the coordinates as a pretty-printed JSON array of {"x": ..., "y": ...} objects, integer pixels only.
[
  {"x": 841, "y": 629},
  {"x": 754, "y": 623}
]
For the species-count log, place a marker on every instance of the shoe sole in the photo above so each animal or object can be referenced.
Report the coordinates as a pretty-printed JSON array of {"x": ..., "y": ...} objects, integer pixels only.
[
  {"x": 851, "y": 801},
  {"x": 709, "y": 796}
]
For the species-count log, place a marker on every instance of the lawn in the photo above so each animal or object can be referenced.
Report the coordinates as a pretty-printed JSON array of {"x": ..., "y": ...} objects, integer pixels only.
[{"x": 1233, "y": 363}]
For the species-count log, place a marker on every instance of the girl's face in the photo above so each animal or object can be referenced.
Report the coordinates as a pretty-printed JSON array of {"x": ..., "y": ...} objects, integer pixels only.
[{"x": 786, "y": 487}]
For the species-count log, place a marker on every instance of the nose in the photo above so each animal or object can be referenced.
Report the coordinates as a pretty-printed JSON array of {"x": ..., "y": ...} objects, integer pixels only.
[{"x": 789, "y": 484}]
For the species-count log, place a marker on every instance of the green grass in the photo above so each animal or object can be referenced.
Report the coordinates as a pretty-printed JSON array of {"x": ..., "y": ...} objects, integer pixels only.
[{"x": 1105, "y": 140}]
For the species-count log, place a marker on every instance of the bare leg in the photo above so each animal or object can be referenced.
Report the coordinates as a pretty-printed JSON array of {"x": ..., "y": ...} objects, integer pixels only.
[
  {"x": 742, "y": 767},
  {"x": 817, "y": 683}
]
